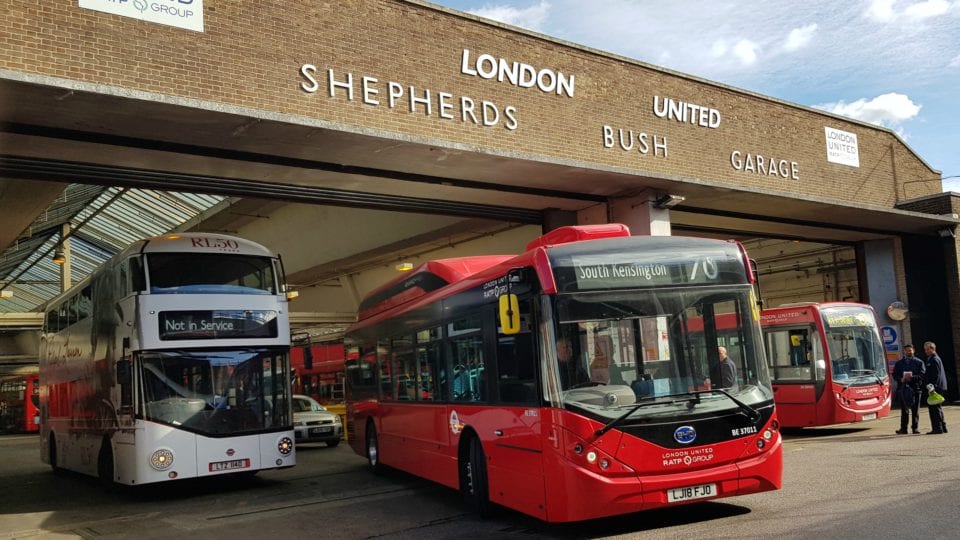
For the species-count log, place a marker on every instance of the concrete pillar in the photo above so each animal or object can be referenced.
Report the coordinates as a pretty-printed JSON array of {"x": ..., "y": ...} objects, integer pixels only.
[
  {"x": 640, "y": 214},
  {"x": 66, "y": 277},
  {"x": 881, "y": 283},
  {"x": 554, "y": 219},
  {"x": 350, "y": 286}
]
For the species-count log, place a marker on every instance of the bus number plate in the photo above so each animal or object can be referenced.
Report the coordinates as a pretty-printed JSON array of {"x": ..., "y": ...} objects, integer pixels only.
[
  {"x": 688, "y": 493},
  {"x": 871, "y": 416},
  {"x": 229, "y": 465}
]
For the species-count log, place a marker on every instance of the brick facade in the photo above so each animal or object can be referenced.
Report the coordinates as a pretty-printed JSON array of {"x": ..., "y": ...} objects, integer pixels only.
[{"x": 250, "y": 55}]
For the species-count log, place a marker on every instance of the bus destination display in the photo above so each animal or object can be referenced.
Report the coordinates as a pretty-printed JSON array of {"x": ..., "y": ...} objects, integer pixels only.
[
  {"x": 618, "y": 271},
  {"x": 217, "y": 324}
]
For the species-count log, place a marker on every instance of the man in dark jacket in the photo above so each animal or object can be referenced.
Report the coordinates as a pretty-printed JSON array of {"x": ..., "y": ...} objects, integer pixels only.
[
  {"x": 908, "y": 373},
  {"x": 935, "y": 376}
]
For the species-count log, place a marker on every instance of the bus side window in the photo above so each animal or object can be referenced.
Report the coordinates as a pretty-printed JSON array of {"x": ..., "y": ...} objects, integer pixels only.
[
  {"x": 125, "y": 380},
  {"x": 516, "y": 361},
  {"x": 428, "y": 365},
  {"x": 138, "y": 281},
  {"x": 468, "y": 378},
  {"x": 53, "y": 320}
]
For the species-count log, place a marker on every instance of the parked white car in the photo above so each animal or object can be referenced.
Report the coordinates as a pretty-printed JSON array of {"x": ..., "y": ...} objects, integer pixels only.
[{"x": 312, "y": 422}]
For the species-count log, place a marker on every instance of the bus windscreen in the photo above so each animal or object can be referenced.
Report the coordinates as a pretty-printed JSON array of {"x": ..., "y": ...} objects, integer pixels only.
[{"x": 210, "y": 273}]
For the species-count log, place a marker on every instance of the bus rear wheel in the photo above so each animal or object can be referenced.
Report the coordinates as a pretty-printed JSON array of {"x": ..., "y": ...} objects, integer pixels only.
[
  {"x": 473, "y": 478},
  {"x": 373, "y": 449}
]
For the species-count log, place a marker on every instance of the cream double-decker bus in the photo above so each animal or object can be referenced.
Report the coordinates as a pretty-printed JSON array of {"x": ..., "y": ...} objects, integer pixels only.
[{"x": 171, "y": 361}]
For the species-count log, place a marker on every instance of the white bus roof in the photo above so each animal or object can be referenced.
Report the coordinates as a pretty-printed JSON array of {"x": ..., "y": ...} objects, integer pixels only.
[{"x": 200, "y": 243}]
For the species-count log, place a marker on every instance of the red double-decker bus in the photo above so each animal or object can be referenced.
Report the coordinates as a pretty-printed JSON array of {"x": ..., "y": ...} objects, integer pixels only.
[
  {"x": 318, "y": 372},
  {"x": 19, "y": 404},
  {"x": 827, "y": 363},
  {"x": 566, "y": 382}
]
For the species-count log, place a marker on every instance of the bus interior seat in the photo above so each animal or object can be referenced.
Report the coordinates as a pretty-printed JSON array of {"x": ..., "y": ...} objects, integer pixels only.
[{"x": 642, "y": 388}]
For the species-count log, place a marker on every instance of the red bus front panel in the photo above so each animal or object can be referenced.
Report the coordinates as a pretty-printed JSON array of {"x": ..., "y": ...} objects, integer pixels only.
[{"x": 630, "y": 473}]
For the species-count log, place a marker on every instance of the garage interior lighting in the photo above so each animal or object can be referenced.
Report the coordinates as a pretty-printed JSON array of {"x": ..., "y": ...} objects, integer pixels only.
[{"x": 668, "y": 200}]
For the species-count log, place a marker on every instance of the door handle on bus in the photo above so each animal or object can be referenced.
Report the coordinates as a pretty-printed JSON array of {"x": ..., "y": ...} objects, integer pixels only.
[{"x": 498, "y": 432}]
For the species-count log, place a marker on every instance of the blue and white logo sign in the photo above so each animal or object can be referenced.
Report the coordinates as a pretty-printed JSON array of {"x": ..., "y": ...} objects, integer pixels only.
[
  {"x": 180, "y": 13},
  {"x": 685, "y": 434},
  {"x": 889, "y": 335}
]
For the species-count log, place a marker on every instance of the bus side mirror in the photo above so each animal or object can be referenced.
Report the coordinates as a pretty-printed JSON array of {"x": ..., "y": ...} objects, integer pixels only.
[
  {"x": 123, "y": 370},
  {"x": 510, "y": 314}
]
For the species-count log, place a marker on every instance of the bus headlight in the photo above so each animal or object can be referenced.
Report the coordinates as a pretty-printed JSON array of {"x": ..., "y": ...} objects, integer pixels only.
[
  {"x": 285, "y": 446},
  {"x": 161, "y": 459}
]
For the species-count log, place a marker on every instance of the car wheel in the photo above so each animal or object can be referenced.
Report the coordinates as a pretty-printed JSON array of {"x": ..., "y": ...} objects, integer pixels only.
[{"x": 333, "y": 443}]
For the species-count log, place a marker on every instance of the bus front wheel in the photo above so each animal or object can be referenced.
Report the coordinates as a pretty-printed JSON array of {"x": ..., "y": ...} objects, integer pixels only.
[
  {"x": 52, "y": 455},
  {"x": 473, "y": 478},
  {"x": 105, "y": 464},
  {"x": 373, "y": 449}
]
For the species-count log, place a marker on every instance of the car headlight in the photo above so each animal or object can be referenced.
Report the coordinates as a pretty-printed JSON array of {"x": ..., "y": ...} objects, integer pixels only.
[{"x": 336, "y": 419}]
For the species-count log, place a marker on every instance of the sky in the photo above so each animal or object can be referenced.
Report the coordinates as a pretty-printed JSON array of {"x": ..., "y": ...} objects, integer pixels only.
[{"x": 895, "y": 63}]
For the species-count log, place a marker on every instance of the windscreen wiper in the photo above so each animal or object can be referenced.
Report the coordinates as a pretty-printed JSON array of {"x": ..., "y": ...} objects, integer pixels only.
[
  {"x": 869, "y": 372},
  {"x": 691, "y": 402},
  {"x": 752, "y": 414}
]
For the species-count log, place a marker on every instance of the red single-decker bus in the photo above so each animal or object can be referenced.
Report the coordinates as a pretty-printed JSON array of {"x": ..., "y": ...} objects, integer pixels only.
[
  {"x": 569, "y": 382},
  {"x": 827, "y": 363}
]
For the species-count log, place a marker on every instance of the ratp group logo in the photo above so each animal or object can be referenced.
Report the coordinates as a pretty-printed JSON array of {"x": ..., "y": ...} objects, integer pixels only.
[
  {"x": 685, "y": 434},
  {"x": 186, "y": 14}
]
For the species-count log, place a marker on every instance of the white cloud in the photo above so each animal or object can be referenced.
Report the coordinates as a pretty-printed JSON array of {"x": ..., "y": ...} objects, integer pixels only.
[
  {"x": 881, "y": 10},
  {"x": 746, "y": 51},
  {"x": 925, "y": 10},
  {"x": 955, "y": 62},
  {"x": 800, "y": 37},
  {"x": 885, "y": 10},
  {"x": 719, "y": 48},
  {"x": 889, "y": 110},
  {"x": 531, "y": 18}
]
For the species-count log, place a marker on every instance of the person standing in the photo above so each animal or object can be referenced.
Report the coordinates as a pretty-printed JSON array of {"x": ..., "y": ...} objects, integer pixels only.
[
  {"x": 908, "y": 372},
  {"x": 935, "y": 376},
  {"x": 728, "y": 371}
]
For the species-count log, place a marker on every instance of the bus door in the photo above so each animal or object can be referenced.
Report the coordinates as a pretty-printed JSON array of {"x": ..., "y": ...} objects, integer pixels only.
[
  {"x": 795, "y": 357},
  {"x": 513, "y": 440}
]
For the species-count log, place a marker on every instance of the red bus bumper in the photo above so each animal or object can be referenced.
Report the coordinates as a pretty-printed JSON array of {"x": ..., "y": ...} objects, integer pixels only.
[{"x": 575, "y": 493}]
